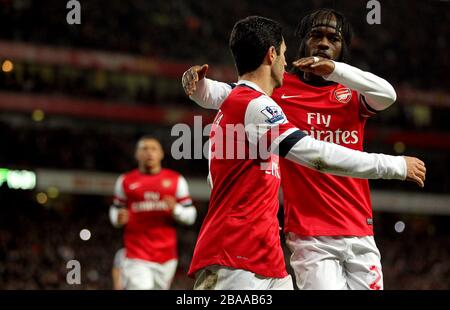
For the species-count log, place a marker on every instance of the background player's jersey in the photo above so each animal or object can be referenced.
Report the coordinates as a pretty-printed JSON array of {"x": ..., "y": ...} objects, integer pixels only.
[
  {"x": 318, "y": 204},
  {"x": 150, "y": 233},
  {"x": 241, "y": 228}
]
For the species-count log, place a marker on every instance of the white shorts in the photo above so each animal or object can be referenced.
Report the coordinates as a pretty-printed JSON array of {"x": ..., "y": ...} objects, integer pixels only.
[
  {"x": 335, "y": 263},
  {"x": 144, "y": 275},
  {"x": 223, "y": 278}
]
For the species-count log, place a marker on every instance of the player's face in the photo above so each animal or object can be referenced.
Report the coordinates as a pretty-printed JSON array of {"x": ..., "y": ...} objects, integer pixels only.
[
  {"x": 279, "y": 66},
  {"x": 324, "y": 41},
  {"x": 149, "y": 153}
]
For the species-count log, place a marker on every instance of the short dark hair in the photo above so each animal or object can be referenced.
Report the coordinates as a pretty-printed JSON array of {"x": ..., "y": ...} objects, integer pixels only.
[
  {"x": 250, "y": 40},
  {"x": 312, "y": 19},
  {"x": 148, "y": 137}
]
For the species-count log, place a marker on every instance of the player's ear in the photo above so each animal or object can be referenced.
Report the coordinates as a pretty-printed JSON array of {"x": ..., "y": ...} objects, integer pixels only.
[{"x": 271, "y": 55}]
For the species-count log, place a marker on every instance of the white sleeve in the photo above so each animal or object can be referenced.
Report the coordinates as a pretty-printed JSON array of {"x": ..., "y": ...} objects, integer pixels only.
[
  {"x": 210, "y": 94},
  {"x": 265, "y": 120},
  {"x": 262, "y": 117},
  {"x": 113, "y": 215},
  {"x": 184, "y": 211},
  {"x": 119, "y": 201},
  {"x": 339, "y": 160},
  {"x": 120, "y": 197},
  {"x": 378, "y": 93}
]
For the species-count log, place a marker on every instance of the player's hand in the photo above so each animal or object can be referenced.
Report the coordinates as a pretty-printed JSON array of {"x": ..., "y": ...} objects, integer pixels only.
[
  {"x": 171, "y": 202},
  {"x": 122, "y": 216},
  {"x": 315, "y": 64},
  {"x": 191, "y": 77},
  {"x": 415, "y": 170}
]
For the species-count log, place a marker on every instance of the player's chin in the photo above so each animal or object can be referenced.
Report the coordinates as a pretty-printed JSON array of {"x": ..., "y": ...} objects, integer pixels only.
[{"x": 150, "y": 163}]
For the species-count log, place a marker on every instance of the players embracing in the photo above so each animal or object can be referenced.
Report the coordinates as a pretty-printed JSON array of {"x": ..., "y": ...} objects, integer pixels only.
[{"x": 328, "y": 218}]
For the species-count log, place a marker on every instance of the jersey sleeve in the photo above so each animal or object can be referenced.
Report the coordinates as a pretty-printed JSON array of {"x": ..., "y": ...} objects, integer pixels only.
[
  {"x": 210, "y": 94},
  {"x": 365, "y": 110},
  {"x": 339, "y": 160},
  {"x": 119, "y": 201},
  {"x": 182, "y": 194},
  {"x": 184, "y": 211},
  {"x": 266, "y": 125},
  {"x": 375, "y": 93},
  {"x": 120, "y": 197}
]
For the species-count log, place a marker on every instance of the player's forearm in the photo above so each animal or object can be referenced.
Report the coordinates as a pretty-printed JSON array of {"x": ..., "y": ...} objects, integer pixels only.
[
  {"x": 210, "y": 94},
  {"x": 378, "y": 92},
  {"x": 185, "y": 215},
  {"x": 339, "y": 160}
]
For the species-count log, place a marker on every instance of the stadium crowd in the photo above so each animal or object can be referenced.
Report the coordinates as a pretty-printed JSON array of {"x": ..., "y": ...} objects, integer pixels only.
[{"x": 401, "y": 42}]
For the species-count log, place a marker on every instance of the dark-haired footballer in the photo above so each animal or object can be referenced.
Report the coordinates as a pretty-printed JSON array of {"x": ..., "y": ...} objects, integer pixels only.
[
  {"x": 238, "y": 246},
  {"x": 148, "y": 201}
]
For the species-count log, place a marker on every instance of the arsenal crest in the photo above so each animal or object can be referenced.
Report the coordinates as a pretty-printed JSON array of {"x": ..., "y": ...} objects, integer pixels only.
[
  {"x": 166, "y": 183},
  {"x": 343, "y": 95}
]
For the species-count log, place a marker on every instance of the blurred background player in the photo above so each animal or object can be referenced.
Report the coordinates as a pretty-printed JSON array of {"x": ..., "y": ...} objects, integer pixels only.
[
  {"x": 328, "y": 219},
  {"x": 238, "y": 246},
  {"x": 148, "y": 201},
  {"x": 116, "y": 271}
]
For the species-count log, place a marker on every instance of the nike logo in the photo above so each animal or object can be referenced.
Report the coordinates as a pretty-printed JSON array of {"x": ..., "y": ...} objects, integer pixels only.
[
  {"x": 134, "y": 186},
  {"x": 283, "y": 96}
]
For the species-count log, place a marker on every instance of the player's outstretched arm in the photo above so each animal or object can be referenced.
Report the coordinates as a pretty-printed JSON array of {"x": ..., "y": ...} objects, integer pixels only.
[
  {"x": 377, "y": 92},
  {"x": 339, "y": 160},
  {"x": 264, "y": 118},
  {"x": 207, "y": 93}
]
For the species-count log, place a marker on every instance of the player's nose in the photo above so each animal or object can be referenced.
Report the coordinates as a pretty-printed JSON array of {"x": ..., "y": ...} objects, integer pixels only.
[{"x": 324, "y": 43}]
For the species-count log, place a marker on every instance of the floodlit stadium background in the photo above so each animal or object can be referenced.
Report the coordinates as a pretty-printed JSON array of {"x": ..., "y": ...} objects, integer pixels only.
[{"x": 74, "y": 99}]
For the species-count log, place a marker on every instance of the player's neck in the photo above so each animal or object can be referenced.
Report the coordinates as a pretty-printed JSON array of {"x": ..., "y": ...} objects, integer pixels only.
[
  {"x": 150, "y": 170},
  {"x": 261, "y": 78}
]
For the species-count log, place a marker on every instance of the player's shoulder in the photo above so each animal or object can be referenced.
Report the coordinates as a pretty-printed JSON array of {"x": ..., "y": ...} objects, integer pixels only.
[
  {"x": 243, "y": 100},
  {"x": 133, "y": 172},
  {"x": 169, "y": 173},
  {"x": 246, "y": 91},
  {"x": 129, "y": 175},
  {"x": 260, "y": 102},
  {"x": 264, "y": 109}
]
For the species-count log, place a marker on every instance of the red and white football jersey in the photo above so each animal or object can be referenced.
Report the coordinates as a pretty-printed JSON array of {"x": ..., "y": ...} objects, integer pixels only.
[
  {"x": 318, "y": 204},
  {"x": 150, "y": 232},
  {"x": 241, "y": 229}
]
